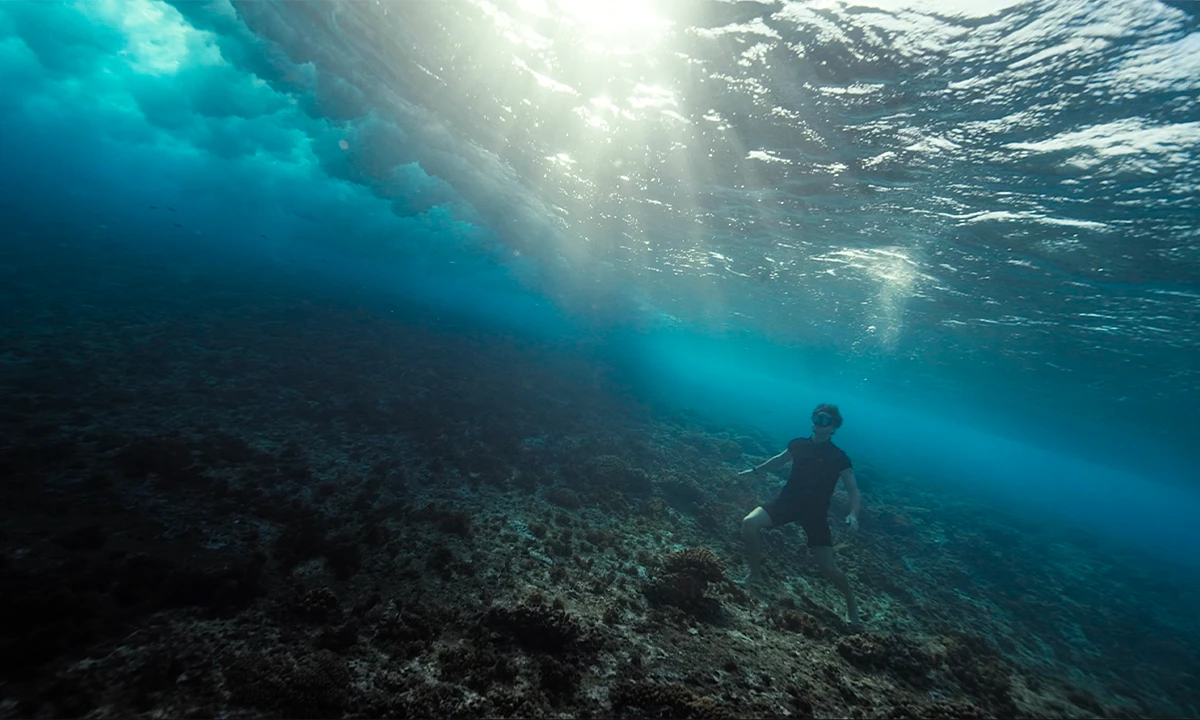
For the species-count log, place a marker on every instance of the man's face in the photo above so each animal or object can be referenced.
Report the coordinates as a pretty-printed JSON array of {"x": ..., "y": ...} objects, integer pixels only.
[{"x": 823, "y": 427}]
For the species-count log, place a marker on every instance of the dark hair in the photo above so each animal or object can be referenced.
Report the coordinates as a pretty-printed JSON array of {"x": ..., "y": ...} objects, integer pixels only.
[{"x": 832, "y": 411}]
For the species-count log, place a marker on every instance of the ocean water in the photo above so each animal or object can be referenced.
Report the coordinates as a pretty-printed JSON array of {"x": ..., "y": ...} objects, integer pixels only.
[{"x": 501, "y": 238}]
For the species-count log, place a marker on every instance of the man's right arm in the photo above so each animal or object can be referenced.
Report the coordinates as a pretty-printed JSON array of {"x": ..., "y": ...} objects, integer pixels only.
[{"x": 778, "y": 461}]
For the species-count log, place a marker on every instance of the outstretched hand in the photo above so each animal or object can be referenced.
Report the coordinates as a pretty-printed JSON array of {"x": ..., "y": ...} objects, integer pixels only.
[{"x": 852, "y": 521}]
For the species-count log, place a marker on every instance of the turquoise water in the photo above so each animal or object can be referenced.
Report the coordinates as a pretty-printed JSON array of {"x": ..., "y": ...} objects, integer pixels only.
[{"x": 974, "y": 225}]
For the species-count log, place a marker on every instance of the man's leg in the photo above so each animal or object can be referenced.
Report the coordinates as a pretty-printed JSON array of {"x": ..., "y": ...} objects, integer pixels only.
[
  {"x": 751, "y": 524},
  {"x": 824, "y": 556}
]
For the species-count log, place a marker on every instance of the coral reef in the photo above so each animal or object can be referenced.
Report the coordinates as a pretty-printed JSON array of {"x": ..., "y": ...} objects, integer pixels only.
[
  {"x": 272, "y": 498},
  {"x": 895, "y": 654},
  {"x": 536, "y": 625},
  {"x": 308, "y": 685},
  {"x": 667, "y": 700},
  {"x": 684, "y": 579},
  {"x": 800, "y": 622}
]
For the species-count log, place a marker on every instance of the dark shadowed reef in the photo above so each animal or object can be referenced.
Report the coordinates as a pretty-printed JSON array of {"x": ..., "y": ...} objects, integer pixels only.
[{"x": 229, "y": 492}]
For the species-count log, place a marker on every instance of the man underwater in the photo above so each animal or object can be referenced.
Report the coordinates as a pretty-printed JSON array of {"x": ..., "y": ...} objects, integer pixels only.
[{"x": 817, "y": 464}]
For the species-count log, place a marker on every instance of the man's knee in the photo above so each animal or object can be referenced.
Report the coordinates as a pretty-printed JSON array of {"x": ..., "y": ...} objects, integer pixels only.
[{"x": 756, "y": 520}]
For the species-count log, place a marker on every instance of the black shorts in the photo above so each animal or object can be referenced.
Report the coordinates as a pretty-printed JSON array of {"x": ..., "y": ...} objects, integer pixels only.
[{"x": 815, "y": 521}]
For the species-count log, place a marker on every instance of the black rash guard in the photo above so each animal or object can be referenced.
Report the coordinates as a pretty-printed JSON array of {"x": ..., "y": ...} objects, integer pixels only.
[
  {"x": 816, "y": 468},
  {"x": 805, "y": 499}
]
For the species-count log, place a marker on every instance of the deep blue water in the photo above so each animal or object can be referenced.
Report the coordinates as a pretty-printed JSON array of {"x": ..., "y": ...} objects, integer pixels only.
[{"x": 974, "y": 225}]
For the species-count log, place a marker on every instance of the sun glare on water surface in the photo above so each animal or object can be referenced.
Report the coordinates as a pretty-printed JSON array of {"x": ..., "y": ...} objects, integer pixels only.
[{"x": 601, "y": 19}]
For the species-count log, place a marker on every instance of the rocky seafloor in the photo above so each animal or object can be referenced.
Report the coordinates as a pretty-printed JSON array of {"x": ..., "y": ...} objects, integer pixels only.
[{"x": 228, "y": 493}]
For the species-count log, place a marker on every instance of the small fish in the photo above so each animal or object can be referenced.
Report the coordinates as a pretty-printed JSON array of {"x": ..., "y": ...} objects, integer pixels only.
[
  {"x": 177, "y": 225},
  {"x": 153, "y": 207},
  {"x": 264, "y": 237},
  {"x": 172, "y": 209}
]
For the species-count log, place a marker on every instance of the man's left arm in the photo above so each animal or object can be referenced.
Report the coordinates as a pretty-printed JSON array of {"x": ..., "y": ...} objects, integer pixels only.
[{"x": 855, "y": 497}]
